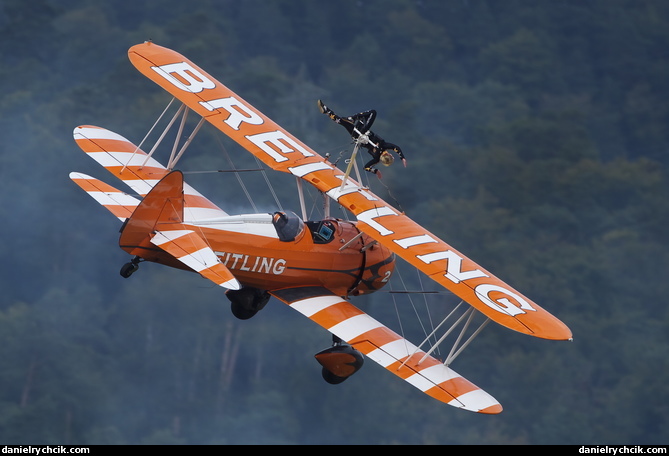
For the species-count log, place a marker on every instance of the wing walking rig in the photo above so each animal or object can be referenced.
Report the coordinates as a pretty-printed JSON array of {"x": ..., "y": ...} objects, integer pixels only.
[{"x": 312, "y": 266}]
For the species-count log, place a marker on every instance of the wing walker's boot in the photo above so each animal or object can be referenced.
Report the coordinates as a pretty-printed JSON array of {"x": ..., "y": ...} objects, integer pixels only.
[{"x": 325, "y": 110}]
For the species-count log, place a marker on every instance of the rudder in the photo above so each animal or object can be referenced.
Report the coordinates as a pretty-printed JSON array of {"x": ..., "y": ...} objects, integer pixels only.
[{"x": 164, "y": 204}]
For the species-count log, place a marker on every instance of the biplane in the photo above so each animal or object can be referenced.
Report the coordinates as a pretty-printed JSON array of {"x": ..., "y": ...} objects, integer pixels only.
[{"x": 314, "y": 266}]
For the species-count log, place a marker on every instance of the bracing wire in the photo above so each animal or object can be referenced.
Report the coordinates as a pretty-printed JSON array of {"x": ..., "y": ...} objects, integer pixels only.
[
  {"x": 399, "y": 319},
  {"x": 269, "y": 185},
  {"x": 427, "y": 307},
  {"x": 398, "y": 273},
  {"x": 237, "y": 172},
  {"x": 239, "y": 177},
  {"x": 390, "y": 195}
]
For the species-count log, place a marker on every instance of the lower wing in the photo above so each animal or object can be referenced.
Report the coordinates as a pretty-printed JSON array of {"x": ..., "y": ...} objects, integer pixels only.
[
  {"x": 387, "y": 348},
  {"x": 137, "y": 169},
  {"x": 117, "y": 202}
]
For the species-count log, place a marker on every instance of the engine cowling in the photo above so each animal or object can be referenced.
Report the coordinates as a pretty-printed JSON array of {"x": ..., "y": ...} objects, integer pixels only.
[{"x": 379, "y": 264}]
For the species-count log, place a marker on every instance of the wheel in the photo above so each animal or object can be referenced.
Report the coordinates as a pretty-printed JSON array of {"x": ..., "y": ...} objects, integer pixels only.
[
  {"x": 246, "y": 302},
  {"x": 128, "y": 269},
  {"x": 331, "y": 378},
  {"x": 240, "y": 311}
]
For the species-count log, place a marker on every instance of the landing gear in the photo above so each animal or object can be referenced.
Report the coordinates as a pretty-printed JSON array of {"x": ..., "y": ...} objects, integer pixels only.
[
  {"x": 247, "y": 302},
  {"x": 129, "y": 268},
  {"x": 339, "y": 361}
]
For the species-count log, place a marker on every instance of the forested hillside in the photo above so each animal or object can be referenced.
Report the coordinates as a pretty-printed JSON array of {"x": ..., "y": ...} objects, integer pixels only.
[{"x": 537, "y": 144}]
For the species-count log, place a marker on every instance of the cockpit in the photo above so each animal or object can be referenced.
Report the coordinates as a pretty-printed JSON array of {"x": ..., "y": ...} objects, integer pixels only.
[
  {"x": 322, "y": 231},
  {"x": 289, "y": 227}
]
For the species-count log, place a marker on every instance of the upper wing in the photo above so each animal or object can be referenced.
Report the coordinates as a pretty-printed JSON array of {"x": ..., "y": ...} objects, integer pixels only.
[
  {"x": 219, "y": 105},
  {"x": 387, "y": 348},
  {"x": 281, "y": 151},
  {"x": 442, "y": 263}
]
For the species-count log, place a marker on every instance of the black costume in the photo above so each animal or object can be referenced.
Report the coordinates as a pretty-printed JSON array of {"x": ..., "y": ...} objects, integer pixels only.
[{"x": 359, "y": 124}]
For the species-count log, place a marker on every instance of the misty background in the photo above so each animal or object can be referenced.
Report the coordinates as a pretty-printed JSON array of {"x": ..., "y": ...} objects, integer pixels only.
[{"x": 537, "y": 144}]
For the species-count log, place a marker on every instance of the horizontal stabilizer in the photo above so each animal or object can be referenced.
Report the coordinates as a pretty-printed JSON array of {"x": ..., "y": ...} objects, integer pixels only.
[
  {"x": 387, "y": 348},
  {"x": 117, "y": 202},
  {"x": 192, "y": 250}
]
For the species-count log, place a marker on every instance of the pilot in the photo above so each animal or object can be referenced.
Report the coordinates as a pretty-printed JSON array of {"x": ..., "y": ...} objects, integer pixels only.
[{"x": 360, "y": 124}]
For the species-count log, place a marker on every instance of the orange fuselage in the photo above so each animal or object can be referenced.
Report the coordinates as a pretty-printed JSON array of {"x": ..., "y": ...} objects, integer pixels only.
[{"x": 331, "y": 253}]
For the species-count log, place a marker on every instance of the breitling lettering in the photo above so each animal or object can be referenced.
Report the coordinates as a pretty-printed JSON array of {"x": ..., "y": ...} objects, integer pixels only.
[
  {"x": 261, "y": 265},
  {"x": 239, "y": 112},
  {"x": 185, "y": 77},
  {"x": 281, "y": 143},
  {"x": 278, "y": 144},
  {"x": 369, "y": 216},
  {"x": 274, "y": 143},
  {"x": 454, "y": 270},
  {"x": 494, "y": 296},
  {"x": 502, "y": 304}
]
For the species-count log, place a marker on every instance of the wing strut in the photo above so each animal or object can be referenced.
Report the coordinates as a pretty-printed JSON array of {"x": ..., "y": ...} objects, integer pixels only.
[
  {"x": 457, "y": 348},
  {"x": 171, "y": 162},
  {"x": 451, "y": 356},
  {"x": 362, "y": 139},
  {"x": 174, "y": 160},
  {"x": 162, "y": 136},
  {"x": 174, "y": 157},
  {"x": 300, "y": 194},
  {"x": 147, "y": 135}
]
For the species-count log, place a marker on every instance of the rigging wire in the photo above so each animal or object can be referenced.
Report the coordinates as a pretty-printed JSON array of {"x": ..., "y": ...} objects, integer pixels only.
[
  {"x": 247, "y": 170},
  {"x": 269, "y": 185},
  {"x": 314, "y": 208},
  {"x": 237, "y": 175},
  {"x": 262, "y": 169},
  {"x": 390, "y": 194},
  {"x": 393, "y": 293},
  {"x": 399, "y": 319},
  {"x": 427, "y": 307}
]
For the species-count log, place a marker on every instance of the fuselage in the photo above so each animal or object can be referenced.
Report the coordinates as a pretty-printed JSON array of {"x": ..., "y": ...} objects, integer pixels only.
[{"x": 274, "y": 251}]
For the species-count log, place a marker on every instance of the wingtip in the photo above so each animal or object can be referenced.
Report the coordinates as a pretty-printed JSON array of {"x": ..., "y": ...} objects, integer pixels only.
[
  {"x": 557, "y": 332},
  {"x": 232, "y": 284},
  {"x": 493, "y": 410},
  {"x": 477, "y": 401}
]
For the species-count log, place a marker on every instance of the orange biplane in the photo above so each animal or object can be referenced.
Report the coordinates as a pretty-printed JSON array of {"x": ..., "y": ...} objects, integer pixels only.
[{"x": 313, "y": 266}]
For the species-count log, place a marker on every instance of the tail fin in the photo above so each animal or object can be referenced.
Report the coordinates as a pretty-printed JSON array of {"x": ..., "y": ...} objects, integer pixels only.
[
  {"x": 158, "y": 222},
  {"x": 164, "y": 204}
]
